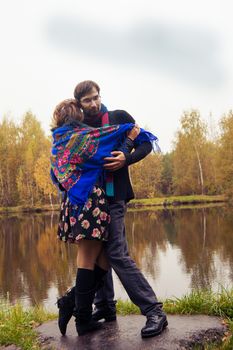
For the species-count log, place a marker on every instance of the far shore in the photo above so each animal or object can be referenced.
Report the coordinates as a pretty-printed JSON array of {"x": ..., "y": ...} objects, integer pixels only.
[
  {"x": 174, "y": 201},
  {"x": 160, "y": 202}
]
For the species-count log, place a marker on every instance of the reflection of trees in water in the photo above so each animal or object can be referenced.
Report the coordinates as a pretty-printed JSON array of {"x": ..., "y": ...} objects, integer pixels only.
[
  {"x": 204, "y": 270},
  {"x": 145, "y": 235},
  {"x": 192, "y": 238},
  {"x": 225, "y": 226},
  {"x": 201, "y": 233},
  {"x": 32, "y": 258}
]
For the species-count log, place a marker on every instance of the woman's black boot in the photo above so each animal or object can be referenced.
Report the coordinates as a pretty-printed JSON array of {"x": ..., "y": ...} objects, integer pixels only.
[
  {"x": 84, "y": 295},
  {"x": 66, "y": 306}
]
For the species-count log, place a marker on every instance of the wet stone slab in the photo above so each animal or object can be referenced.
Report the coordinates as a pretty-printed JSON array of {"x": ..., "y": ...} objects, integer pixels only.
[{"x": 183, "y": 332}]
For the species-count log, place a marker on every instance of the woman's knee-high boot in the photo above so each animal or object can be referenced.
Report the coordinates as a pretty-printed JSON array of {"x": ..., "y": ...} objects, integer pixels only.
[
  {"x": 66, "y": 306},
  {"x": 85, "y": 289},
  {"x": 66, "y": 303}
]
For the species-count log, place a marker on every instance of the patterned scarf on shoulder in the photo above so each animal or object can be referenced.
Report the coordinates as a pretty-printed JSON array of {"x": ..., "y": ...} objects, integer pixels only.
[{"x": 78, "y": 153}]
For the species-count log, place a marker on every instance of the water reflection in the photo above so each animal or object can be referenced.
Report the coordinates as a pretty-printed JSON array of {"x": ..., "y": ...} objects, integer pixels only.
[{"x": 176, "y": 249}]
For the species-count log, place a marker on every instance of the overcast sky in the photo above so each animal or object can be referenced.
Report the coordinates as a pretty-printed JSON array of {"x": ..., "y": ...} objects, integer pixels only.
[{"x": 154, "y": 59}]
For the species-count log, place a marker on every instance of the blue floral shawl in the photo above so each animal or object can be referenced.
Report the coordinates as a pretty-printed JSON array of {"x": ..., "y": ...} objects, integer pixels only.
[{"x": 78, "y": 153}]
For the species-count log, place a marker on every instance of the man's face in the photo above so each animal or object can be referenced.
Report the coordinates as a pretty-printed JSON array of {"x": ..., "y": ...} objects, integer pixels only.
[{"x": 91, "y": 103}]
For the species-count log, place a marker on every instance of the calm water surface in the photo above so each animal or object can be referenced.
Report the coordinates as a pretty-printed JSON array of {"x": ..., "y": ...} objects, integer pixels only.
[{"x": 177, "y": 250}]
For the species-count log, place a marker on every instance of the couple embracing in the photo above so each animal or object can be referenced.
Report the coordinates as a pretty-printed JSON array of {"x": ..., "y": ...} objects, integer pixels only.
[{"x": 92, "y": 149}]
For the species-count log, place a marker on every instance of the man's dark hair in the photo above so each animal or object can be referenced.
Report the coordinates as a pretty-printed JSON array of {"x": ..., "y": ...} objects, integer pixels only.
[{"x": 84, "y": 88}]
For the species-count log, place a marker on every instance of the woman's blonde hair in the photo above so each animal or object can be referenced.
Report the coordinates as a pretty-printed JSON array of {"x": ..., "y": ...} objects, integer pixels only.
[{"x": 65, "y": 112}]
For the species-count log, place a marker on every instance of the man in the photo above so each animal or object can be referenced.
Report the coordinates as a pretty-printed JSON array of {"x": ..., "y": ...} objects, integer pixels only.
[{"x": 119, "y": 191}]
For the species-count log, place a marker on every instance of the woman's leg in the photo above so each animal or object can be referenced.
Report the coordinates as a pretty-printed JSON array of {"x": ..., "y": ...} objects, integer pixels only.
[
  {"x": 86, "y": 258},
  {"x": 102, "y": 260},
  {"x": 87, "y": 281},
  {"x": 88, "y": 253}
]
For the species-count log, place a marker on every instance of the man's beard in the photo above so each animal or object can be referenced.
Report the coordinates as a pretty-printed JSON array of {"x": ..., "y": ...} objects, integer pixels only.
[{"x": 94, "y": 120}]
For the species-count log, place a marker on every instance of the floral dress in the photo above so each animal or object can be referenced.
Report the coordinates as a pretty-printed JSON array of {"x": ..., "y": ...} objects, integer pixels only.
[{"x": 91, "y": 222}]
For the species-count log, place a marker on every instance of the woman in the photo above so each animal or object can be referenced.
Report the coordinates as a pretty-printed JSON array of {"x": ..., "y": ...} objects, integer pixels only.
[{"x": 77, "y": 168}]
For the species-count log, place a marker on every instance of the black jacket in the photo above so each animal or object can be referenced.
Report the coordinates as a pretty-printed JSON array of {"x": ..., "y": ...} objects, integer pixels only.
[{"x": 122, "y": 186}]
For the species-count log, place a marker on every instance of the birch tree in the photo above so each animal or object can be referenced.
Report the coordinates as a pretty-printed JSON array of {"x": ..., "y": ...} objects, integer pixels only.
[{"x": 189, "y": 154}]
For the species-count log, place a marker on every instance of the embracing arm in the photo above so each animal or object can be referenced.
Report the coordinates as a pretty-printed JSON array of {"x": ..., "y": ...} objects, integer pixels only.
[
  {"x": 141, "y": 151},
  {"x": 123, "y": 156}
]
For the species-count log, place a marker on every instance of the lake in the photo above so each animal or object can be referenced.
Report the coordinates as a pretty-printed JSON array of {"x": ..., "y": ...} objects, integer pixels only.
[{"x": 177, "y": 249}]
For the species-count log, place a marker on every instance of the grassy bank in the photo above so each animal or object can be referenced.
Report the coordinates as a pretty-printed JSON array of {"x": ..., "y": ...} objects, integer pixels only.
[
  {"x": 135, "y": 203},
  {"x": 27, "y": 209},
  {"x": 17, "y": 326},
  {"x": 176, "y": 201},
  {"x": 197, "y": 302}
]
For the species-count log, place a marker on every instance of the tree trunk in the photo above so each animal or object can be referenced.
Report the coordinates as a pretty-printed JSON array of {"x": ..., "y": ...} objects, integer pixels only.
[
  {"x": 200, "y": 170},
  {"x": 1, "y": 187},
  {"x": 204, "y": 228},
  {"x": 50, "y": 199}
]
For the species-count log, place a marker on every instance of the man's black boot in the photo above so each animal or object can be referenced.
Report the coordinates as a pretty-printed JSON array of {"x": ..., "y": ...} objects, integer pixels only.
[
  {"x": 84, "y": 295},
  {"x": 105, "y": 310},
  {"x": 155, "y": 324},
  {"x": 66, "y": 306}
]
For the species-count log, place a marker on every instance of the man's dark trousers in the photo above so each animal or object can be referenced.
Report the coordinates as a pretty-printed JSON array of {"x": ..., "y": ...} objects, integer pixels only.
[{"x": 135, "y": 284}]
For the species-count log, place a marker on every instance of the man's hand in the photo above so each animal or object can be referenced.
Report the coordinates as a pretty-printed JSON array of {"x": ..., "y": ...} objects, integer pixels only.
[
  {"x": 134, "y": 132},
  {"x": 116, "y": 162}
]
